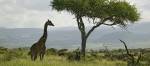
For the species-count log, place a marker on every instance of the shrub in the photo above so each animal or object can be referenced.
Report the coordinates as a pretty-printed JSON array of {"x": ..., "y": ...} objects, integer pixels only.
[
  {"x": 3, "y": 50},
  {"x": 62, "y": 52},
  {"x": 51, "y": 51},
  {"x": 75, "y": 55},
  {"x": 14, "y": 54}
]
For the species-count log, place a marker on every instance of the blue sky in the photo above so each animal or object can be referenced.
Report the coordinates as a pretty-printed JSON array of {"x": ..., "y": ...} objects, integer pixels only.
[{"x": 34, "y": 13}]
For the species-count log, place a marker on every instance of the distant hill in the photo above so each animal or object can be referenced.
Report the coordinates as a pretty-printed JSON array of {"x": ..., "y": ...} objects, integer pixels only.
[{"x": 137, "y": 35}]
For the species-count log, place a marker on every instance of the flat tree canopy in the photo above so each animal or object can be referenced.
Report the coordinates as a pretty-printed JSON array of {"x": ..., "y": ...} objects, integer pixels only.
[{"x": 116, "y": 11}]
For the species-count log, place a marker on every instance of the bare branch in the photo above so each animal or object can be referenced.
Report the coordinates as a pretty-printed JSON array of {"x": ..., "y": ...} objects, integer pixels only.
[
  {"x": 139, "y": 57},
  {"x": 92, "y": 29},
  {"x": 127, "y": 49}
]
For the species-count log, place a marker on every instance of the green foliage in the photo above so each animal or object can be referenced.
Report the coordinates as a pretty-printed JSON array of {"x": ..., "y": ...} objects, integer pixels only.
[
  {"x": 3, "y": 50},
  {"x": 72, "y": 6},
  {"x": 74, "y": 56},
  {"x": 51, "y": 51},
  {"x": 146, "y": 57},
  {"x": 62, "y": 52},
  {"x": 117, "y": 11},
  {"x": 13, "y": 54}
]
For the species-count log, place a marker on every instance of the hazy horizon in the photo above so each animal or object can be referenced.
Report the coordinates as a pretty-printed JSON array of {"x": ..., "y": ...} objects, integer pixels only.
[{"x": 136, "y": 36}]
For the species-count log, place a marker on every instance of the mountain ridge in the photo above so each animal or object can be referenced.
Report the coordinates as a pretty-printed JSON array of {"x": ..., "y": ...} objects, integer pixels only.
[{"x": 69, "y": 37}]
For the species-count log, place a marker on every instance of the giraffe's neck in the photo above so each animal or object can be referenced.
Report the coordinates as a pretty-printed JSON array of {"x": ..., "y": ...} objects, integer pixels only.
[
  {"x": 43, "y": 39},
  {"x": 45, "y": 30}
]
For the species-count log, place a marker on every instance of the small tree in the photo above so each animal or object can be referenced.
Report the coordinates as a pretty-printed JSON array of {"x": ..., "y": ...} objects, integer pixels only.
[
  {"x": 98, "y": 12},
  {"x": 132, "y": 60}
]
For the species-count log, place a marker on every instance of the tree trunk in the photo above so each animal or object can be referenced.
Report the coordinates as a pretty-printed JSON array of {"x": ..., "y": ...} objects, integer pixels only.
[
  {"x": 84, "y": 35},
  {"x": 83, "y": 46}
]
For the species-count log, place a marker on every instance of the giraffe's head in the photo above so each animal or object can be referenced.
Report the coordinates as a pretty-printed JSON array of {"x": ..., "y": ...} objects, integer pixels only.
[{"x": 48, "y": 22}]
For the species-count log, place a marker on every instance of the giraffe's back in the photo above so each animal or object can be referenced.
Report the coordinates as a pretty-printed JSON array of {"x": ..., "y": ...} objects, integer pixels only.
[{"x": 36, "y": 47}]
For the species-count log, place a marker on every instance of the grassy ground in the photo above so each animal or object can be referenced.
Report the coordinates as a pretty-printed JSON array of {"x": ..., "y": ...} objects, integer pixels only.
[
  {"x": 20, "y": 57},
  {"x": 59, "y": 61}
]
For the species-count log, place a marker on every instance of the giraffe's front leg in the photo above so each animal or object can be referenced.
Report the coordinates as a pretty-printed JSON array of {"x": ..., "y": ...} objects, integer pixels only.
[
  {"x": 35, "y": 57},
  {"x": 42, "y": 53},
  {"x": 32, "y": 55}
]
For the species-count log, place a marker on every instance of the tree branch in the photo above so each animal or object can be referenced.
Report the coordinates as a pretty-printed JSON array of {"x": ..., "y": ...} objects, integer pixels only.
[
  {"x": 97, "y": 25},
  {"x": 92, "y": 29},
  {"x": 81, "y": 25},
  {"x": 127, "y": 49},
  {"x": 139, "y": 57}
]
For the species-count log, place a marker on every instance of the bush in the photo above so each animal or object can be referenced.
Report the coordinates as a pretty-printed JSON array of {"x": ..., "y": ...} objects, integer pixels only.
[
  {"x": 62, "y": 52},
  {"x": 3, "y": 50},
  {"x": 13, "y": 54},
  {"x": 51, "y": 51},
  {"x": 75, "y": 55}
]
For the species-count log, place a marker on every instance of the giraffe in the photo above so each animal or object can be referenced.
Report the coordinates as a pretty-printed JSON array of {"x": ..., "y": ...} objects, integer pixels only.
[{"x": 39, "y": 47}]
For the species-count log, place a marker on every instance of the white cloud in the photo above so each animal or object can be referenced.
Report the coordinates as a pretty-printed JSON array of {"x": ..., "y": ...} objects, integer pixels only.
[
  {"x": 34, "y": 4},
  {"x": 33, "y": 13},
  {"x": 30, "y": 13}
]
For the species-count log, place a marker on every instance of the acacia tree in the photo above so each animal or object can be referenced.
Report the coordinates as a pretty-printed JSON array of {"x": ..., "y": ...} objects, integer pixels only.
[{"x": 98, "y": 12}]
